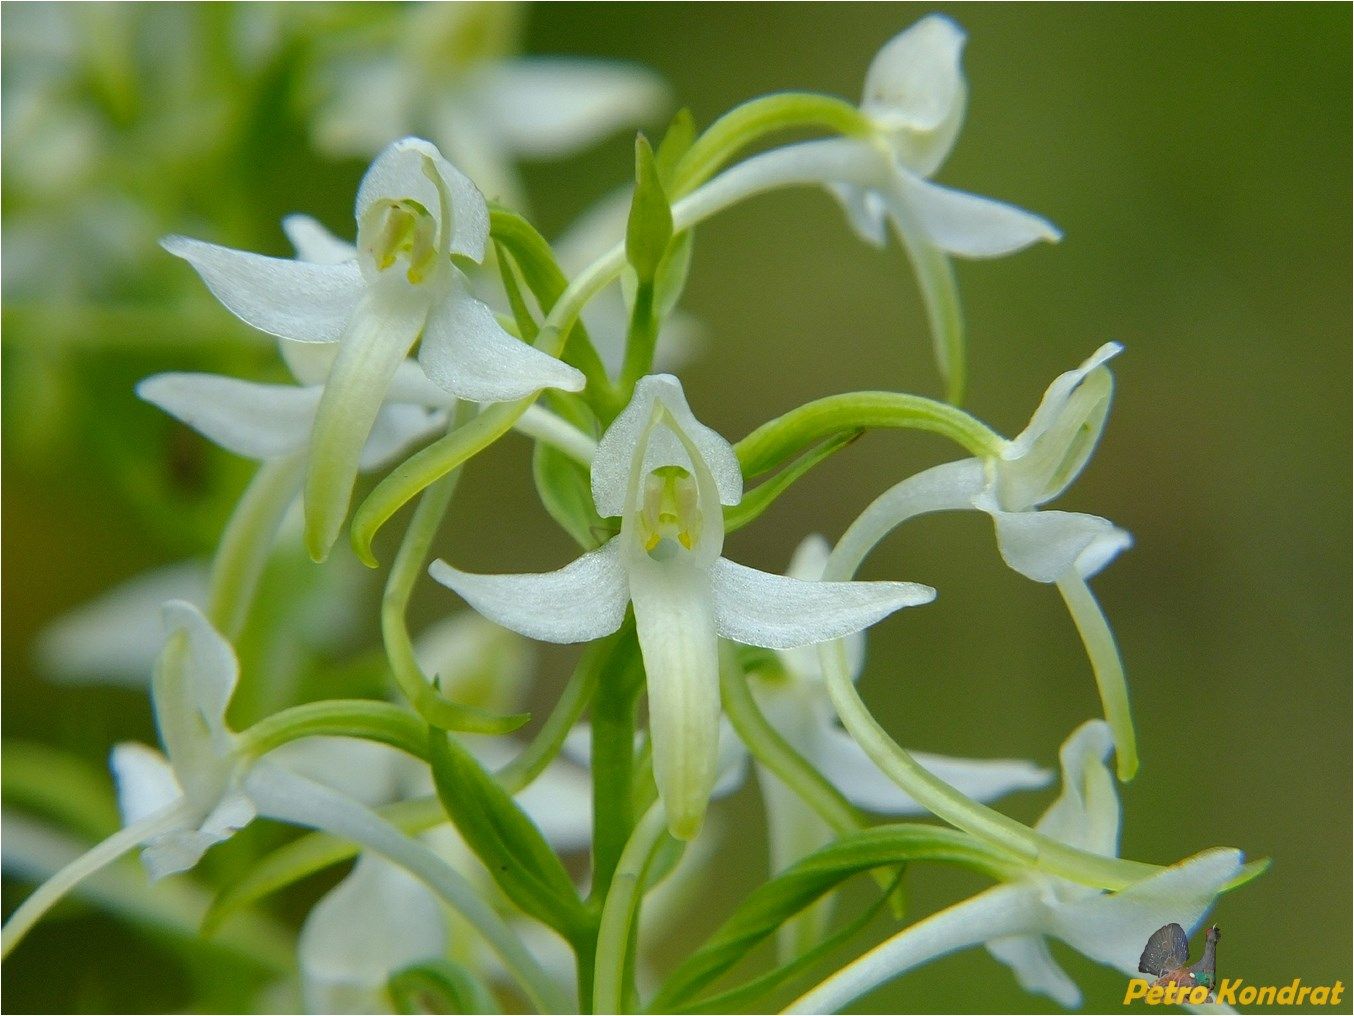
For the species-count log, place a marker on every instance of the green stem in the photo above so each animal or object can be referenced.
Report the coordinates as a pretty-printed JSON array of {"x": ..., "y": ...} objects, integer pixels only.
[
  {"x": 774, "y": 752},
  {"x": 753, "y": 120},
  {"x": 406, "y": 570},
  {"x": 619, "y": 682},
  {"x": 1108, "y": 668},
  {"x": 779, "y": 439},
  {"x": 622, "y": 905},
  {"x": 539, "y": 423},
  {"x": 51, "y": 892},
  {"x": 364, "y": 718},
  {"x": 946, "y": 802},
  {"x": 518, "y": 774},
  {"x": 641, "y": 339},
  {"x": 247, "y": 541}
]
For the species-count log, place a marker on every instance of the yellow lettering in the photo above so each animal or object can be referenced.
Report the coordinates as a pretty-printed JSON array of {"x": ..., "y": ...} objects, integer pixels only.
[
  {"x": 1303, "y": 992},
  {"x": 1136, "y": 989},
  {"x": 1288, "y": 992},
  {"x": 1198, "y": 995},
  {"x": 1154, "y": 994},
  {"x": 1336, "y": 992},
  {"x": 1321, "y": 994},
  {"x": 1247, "y": 995},
  {"x": 1227, "y": 990},
  {"x": 1265, "y": 995}
]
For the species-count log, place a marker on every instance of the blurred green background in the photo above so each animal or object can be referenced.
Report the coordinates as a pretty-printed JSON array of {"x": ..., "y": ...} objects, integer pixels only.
[{"x": 1198, "y": 159}]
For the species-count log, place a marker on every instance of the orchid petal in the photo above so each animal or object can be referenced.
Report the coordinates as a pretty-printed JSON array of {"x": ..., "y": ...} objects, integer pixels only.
[
  {"x": 1086, "y": 813},
  {"x": 378, "y": 920},
  {"x": 865, "y": 211},
  {"x": 397, "y": 427},
  {"x": 915, "y": 90},
  {"x": 674, "y": 619},
  {"x": 367, "y": 771},
  {"x": 212, "y": 670},
  {"x": 309, "y": 362},
  {"x": 471, "y": 142},
  {"x": 845, "y": 764},
  {"x": 547, "y": 108},
  {"x": 968, "y": 225},
  {"x": 411, "y": 384},
  {"x": 466, "y": 351},
  {"x": 258, "y": 421},
  {"x": 1112, "y": 927},
  {"x": 384, "y": 326},
  {"x": 1049, "y": 453},
  {"x": 145, "y": 781},
  {"x": 398, "y": 174},
  {"x": 731, "y": 762},
  {"x": 177, "y": 851},
  {"x": 758, "y": 608},
  {"x": 314, "y": 243},
  {"x": 809, "y": 564},
  {"x": 580, "y": 602},
  {"x": 291, "y": 299},
  {"x": 612, "y": 465},
  {"x": 115, "y": 638},
  {"x": 1036, "y": 970},
  {"x": 1046, "y": 545}
]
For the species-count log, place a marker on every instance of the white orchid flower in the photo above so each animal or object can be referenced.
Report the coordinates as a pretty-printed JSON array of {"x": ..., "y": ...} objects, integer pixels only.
[
  {"x": 377, "y": 921},
  {"x": 1014, "y": 919},
  {"x": 668, "y": 477},
  {"x": 115, "y": 637},
  {"x": 452, "y": 75},
  {"x": 200, "y": 773},
  {"x": 1063, "y": 548},
  {"x": 915, "y": 96},
  {"x": 414, "y": 211}
]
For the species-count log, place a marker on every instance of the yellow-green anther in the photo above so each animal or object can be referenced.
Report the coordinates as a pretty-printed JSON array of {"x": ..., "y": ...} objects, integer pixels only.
[
  {"x": 404, "y": 230},
  {"x": 670, "y": 512}
]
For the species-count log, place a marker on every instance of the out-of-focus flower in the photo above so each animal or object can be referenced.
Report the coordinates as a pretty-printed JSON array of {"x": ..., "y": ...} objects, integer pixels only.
[
  {"x": 668, "y": 477},
  {"x": 453, "y": 76}
]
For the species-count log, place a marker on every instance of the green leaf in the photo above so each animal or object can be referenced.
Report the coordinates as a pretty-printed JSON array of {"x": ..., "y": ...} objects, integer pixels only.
[
  {"x": 505, "y": 839},
  {"x": 773, "y": 903},
  {"x": 565, "y": 490},
  {"x": 739, "y": 998},
  {"x": 761, "y": 497},
  {"x": 649, "y": 228},
  {"x": 527, "y": 328},
  {"x": 676, "y": 143},
  {"x": 440, "y": 986}
]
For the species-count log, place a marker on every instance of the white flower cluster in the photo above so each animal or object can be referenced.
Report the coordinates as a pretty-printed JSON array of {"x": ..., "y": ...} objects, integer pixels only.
[{"x": 404, "y": 367}]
